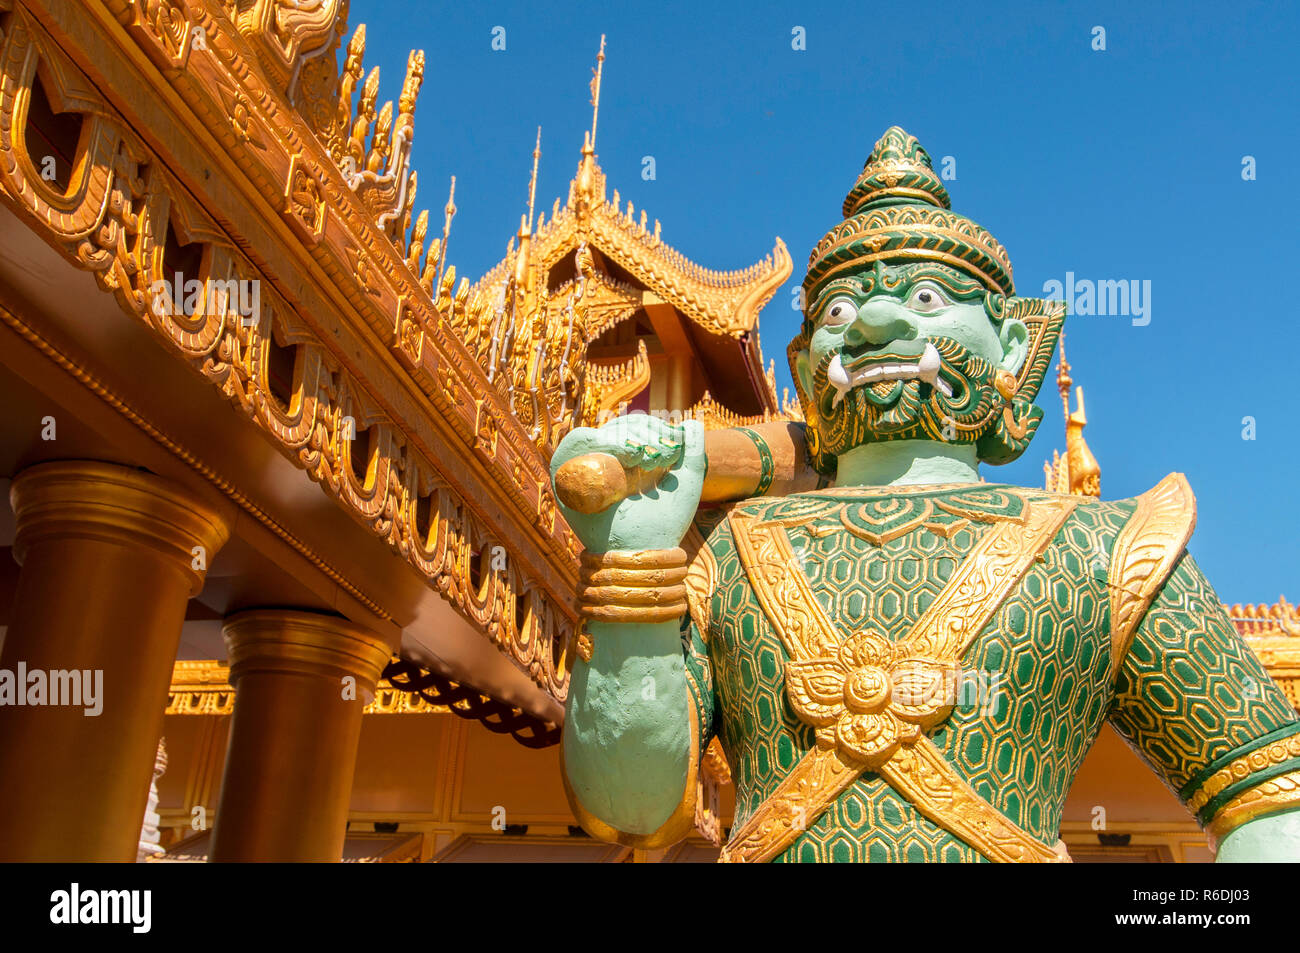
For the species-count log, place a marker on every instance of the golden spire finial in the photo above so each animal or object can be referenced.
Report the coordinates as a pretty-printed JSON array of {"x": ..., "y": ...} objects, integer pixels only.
[
  {"x": 595, "y": 90},
  {"x": 449, "y": 212},
  {"x": 532, "y": 183},
  {"x": 1082, "y": 471},
  {"x": 1063, "y": 380}
]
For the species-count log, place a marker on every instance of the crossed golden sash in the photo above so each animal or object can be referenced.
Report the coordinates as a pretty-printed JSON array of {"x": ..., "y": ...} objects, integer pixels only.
[{"x": 872, "y": 701}]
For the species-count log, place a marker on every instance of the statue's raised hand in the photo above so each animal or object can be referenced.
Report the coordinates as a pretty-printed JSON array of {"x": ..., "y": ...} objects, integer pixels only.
[{"x": 666, "y": 464}]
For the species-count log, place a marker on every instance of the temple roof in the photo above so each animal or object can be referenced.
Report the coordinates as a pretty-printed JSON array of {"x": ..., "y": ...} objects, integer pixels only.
[
  {"x": 592, "y": 285},
  {"x": 719, "y": 302},
  {"x": 1281, "y": 618}
]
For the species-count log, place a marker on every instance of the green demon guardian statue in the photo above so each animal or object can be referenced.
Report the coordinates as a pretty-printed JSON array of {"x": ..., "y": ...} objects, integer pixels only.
[{"x": 904, "y": 663}]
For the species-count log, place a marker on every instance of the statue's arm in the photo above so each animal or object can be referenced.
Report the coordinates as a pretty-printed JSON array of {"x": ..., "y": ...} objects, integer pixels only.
[
  {"x": 1196, "y": 703},
  {"x": 632, "y": 734},
  {"x": 631, "y": 741},
  {"x": 1273, "y": 838}
]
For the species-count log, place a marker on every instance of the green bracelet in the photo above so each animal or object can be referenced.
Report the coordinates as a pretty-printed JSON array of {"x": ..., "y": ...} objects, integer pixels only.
[{"x": 767, "y": 473}]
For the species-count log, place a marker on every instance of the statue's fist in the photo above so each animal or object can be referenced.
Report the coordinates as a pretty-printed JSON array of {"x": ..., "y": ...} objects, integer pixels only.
[{"x": 658, "y": 516}]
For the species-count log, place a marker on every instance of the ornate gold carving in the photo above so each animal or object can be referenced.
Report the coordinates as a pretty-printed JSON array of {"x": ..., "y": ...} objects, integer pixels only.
[
  {"x": 93, "y": 384},
  {"x": 200, "y": 688},
  {"x": 714, "y": 774},
  {"x": 304, "y": 202},
  {"x": 872, "y": 700},
  {"x": 546, "y": 509},
  {"x": 364, "y": 269},
  {"x": 701, "y": 580},
  {"x": 1254, "y": 621},
  {"x": 1277, "y": 794},
  {"x": 714, "y": 416},
  {"x": 486, "y": 429},
  {"x": 585, "y": 646},
  {"x": 164, "y": 31},
  {"x": 111, "y": 222},
  {"x": 1241, "y": 768},
  {"x": 906, "y": 516},
  {"x": 725, "y": 303},
  {"x": 242, "y": 116},
  {"x": 409, "y": 334},
  {"x": 1273, "y": 634},
  {"x": 531, "y": 334},
  {"x": 1145, "y": 552},
  {"x": 871, "y": 697},
  {"x": 380, "y": 229},
  {"x": 608, "y": 383},
  {"x": 289, "y": 31},
  {"x": 939, "y": 793}
]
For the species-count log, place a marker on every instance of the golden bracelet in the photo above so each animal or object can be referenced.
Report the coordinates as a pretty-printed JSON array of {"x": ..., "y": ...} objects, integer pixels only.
[
  {"x": 642, "y": 587},
  {"x": 1278, "y": 752},
  {"x": 1276, "y": 794}
]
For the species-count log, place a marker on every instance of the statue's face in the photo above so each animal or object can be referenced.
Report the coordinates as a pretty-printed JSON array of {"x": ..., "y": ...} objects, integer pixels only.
[{"x": 907, "y": 351}]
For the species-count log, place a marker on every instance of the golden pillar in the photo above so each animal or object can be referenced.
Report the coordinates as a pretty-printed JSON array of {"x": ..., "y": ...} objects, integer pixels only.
[
  {"x": 109, "y": 557},
  {"x": 301, "y": 681}
]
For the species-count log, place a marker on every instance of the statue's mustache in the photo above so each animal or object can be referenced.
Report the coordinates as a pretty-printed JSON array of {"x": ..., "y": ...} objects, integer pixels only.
[
  {"x": 944, "y": 392},
  {"x": 950, "y": 369},
  {"x": 924, "y": 368}
]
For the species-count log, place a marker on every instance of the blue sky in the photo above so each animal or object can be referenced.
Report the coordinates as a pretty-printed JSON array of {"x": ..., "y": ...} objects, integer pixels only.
[{"x": 1117, "y": 164}]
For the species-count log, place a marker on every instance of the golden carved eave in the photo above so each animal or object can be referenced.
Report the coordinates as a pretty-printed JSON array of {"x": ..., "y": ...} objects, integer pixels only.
[
  {"x": 360, "y": 262},
  {"x": 334, "y": 282},
  {"x": 714, "y": 416}
]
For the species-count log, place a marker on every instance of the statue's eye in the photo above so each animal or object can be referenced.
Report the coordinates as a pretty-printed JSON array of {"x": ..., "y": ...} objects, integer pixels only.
[
  {"x": 925, "y": 298},
  {"x": 839, "y": 312}
]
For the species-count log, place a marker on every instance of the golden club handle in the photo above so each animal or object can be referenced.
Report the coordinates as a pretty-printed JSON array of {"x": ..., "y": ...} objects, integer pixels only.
[{"x": 738, "y": 468}]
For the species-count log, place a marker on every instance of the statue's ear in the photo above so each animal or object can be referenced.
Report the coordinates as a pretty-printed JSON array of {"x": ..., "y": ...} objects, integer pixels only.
[
  {"x": 1042, "y": 320},
  {"x": 803, "y": 369},
  {"x": 1014, "y": 337}
]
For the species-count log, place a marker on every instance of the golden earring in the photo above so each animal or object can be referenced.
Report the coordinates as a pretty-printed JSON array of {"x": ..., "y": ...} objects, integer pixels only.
[{"x": 1006, "y": 384}]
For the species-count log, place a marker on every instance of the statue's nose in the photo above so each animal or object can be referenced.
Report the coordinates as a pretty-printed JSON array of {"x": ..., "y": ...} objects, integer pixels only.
[{"x": 880, "y": 321}]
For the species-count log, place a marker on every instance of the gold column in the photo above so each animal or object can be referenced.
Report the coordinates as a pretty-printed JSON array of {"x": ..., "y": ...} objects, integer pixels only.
[
  {"x": 301, "y": 680},
  {"x": 109, "y": 561}
]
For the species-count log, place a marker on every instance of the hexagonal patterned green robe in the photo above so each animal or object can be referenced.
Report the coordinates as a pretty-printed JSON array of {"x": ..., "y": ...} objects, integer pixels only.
[{"x": 916, "y": 675}]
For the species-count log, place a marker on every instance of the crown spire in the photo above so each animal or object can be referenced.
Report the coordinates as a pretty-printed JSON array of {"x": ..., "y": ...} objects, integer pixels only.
[
  {"x": 898, "y": 172},
  {"x": 899, "y": 211}
]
